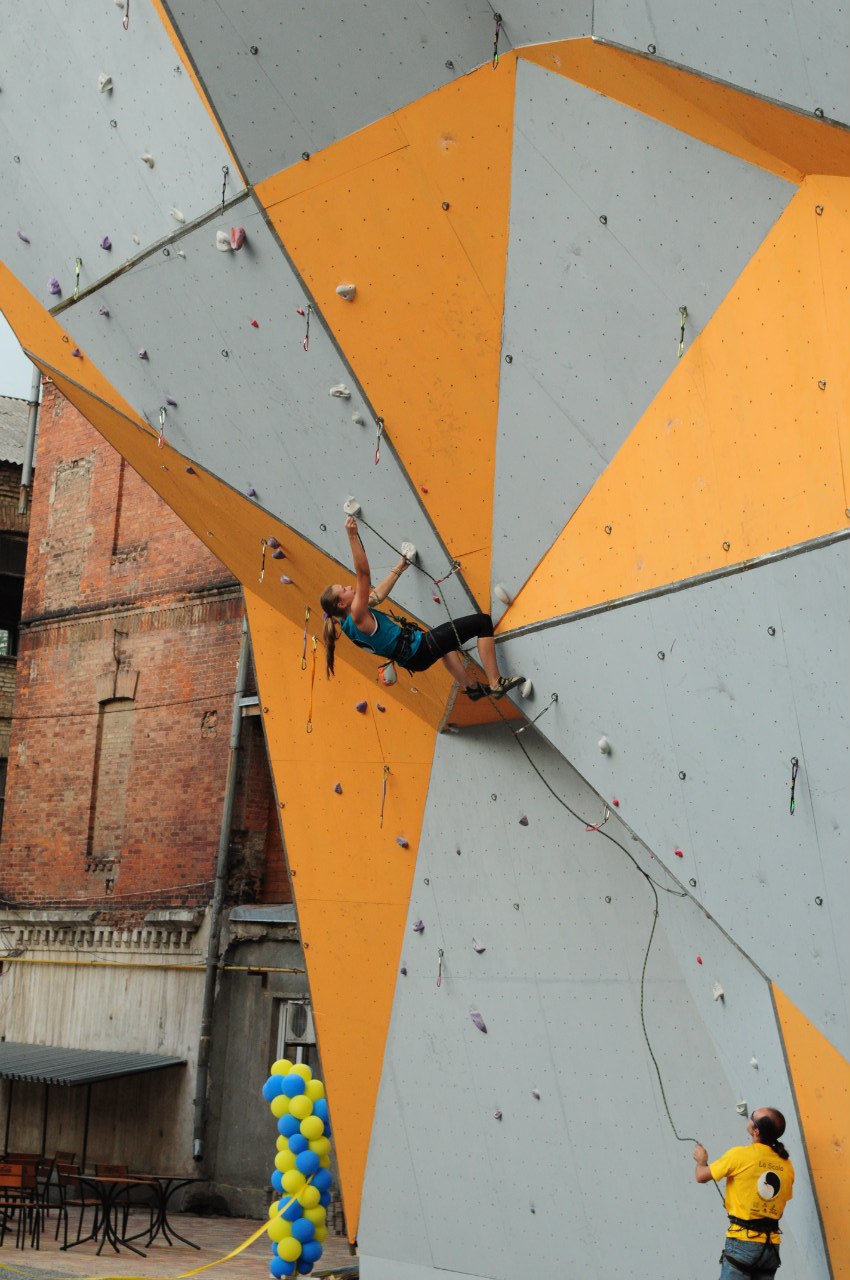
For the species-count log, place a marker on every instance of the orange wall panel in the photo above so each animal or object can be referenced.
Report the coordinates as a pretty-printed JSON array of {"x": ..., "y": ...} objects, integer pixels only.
[
  {"x": 821, "y": 1078},
  {"x": 741, "y": 446},
  {"x": 423, "y": 334}
]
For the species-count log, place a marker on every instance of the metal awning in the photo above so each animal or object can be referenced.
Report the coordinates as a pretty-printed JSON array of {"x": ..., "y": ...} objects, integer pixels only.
[{"x": 49, "y": 1064}]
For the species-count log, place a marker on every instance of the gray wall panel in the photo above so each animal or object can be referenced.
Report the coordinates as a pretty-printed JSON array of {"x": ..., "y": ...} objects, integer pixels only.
[
  {"x": 559, "y": 988},
  {"x": 728, "y": 706},
  {"x": 591, "y": 310},
  {"x": 795, "y": 51},
  {"x": 79, "y": 179},
  {"x": 260, "y": 417}
]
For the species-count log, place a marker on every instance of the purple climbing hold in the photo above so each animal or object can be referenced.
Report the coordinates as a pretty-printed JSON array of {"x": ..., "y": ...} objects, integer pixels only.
[
  {"x": 403, "y": 970},
  {"x": 535, "y": 1093},
  {"x": 171, "y": 402},
  {"x": 338, "y": 788},
  {"x": 419, "y": 927},
  {"x": 478, "y": 1020},
  {"x": 25, "y": 239},
  {"x": 190, "y": 471},
  {"x": 106, "y": 243},
  {"x": 523, "y": 822},
  {"x": 77, "y": 352},
  {"x": 273, "y": 543},
  {"x": 143, "y": 355},
  {"x": 53, "y": 285},
  {"x": 278, "y": 555},
  {"x": 400, "y": 840},
  {"x": 361, "y": 707},
  {"x": 103, "y": 309},
  {"x": 380, "y": 707},
  {"x": 250, "y": 492},
  {"x": 287, "y": 582}
]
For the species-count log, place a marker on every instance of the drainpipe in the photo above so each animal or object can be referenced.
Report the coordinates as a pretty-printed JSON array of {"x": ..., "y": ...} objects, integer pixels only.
[
  {"x": 211, "y": 966},
  {"x": 29, "y": 451}
]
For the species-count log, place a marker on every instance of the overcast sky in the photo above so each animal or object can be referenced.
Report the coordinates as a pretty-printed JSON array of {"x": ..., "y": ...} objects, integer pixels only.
[{"x": 15, "y": 369}]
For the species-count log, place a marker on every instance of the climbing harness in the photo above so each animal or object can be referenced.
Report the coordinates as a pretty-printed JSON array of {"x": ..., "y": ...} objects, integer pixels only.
[
  {"x": 795, "y": 764},
  {"x": 312, "y": 687},
  {"x": 384, "y": 791},
  {"x": 304, "y": 649},
  {"x": 758, "y": 1226},
  {"x": 498, "y": 18}
]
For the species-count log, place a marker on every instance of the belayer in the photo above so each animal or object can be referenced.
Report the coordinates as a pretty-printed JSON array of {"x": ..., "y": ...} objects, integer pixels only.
[
  {"x": 352, "y": 609},
  {"x": 759, "y": 1184}
]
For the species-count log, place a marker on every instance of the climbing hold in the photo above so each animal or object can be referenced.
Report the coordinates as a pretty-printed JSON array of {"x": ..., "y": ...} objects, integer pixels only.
[
  {"x": 603, "y": 218},
  {"x": 177, "y": 215},
  {"x": 403, "y": 970},
  {"x": 423, "y": 488},
  {"x": 77, "y": 352},
  {"x": 497, "y": 1115},
  {"x": 347, "y": 291},
  {"x": 361, "y": 707},
  {"x": 143, "y": 355},
  {"x": 692, "y": 882},
  {"x": 104, "y": 83},
  {"x": 419, "y": 927},
  {"x": 727, "y": 546},
  {"x": 277, "y": 554},
  {"x": 171, "y": 402},
  {"x": 526, "y": 689},
  {"x": 436, "y": 599},
  {"x": 717, "y": 991},
  {"x": 272, "y": 542},
  {"x": 53, "y": 285},
  {"x": 222, "y": 241},
  {"x": 237, "y": 237},
  {"x": 379, "y": 707},
  {"x": 609, "y": 529},
  {"x": 190, "y": 471},
  {"x": 500, "y": 591},
  {"x": 477, "y": 946},
  {"x": 25, "y": 239},
  {"x": 822, "y": 383},
  {"x": 678, "y": 853},
  {"x": 358, "y": 419},
  {"x": 754, "y": 1063},
  {"x": 742, "y": 1108},
  {"x": 402, "y": 843},
  {"x": 351, "y": 507},
  {"x": 682, "y": 775},
  {"x": 771, "y": 631},
  {"x": 287, "y": 582},
  {"x": 340, "y": 392},
  {"x": 699, "y": 959},
  {"x": 478, "y": 1020},
  {"x": 409, "y": 552},
  {"x": 147, "y": 158},
  {"x": 255, "y": 324},
  {"x": 535, "y": 1093},
  {"x": 106, "y": 243},
  {"x": 136, "y": 239},
  {"x": 616, "y": 803},
  {"x": 604, "y": 746},
  {"x": 103, "y": 309},
  {"x": 338, "y": 788},
  {"x": 523, "y": 822},
  {"x": 250, "y": 492}
]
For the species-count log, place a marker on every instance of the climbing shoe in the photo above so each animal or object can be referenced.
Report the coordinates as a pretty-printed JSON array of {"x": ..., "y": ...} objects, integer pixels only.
[
  {"x": 476, "y": 691},
  {"x": 506, "y": 683}
]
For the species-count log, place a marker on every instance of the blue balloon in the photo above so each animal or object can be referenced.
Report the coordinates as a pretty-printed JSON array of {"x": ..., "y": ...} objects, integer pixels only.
[
  {"x": 286, "y": 1268},
  {"x": 307, "y": 1163},
  {"x": 277, "y": 1181},
  {"x": 311, "y": 1251},
  {"x": 320, "y": 1108},
  {"x": 325, "y": 1198},
  {"x": 303, "y": 1230},
  {"x": 271, "y": 1088},
  {"x": 304, "y": 1268},
  {"x": 293, "y": 1211},
  {"x": 292, "y": 1085},
  {"x": 298, "y": 1143},
  {"x": 287, "y": 1125},
  {"x": 323, "y": 1180}
]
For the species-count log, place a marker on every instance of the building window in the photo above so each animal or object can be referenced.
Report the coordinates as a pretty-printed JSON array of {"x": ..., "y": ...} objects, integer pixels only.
[
  {"x": 112, "y": 759},
  {"x": 296, "y": 1036}
]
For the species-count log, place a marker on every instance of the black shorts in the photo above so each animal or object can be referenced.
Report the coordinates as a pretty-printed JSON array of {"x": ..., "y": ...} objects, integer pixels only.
[{"x": 448, "y": 638}]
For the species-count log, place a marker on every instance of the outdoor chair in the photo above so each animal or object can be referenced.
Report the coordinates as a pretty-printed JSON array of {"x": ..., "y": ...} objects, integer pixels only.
[
  {"x": 18, "y": 1201},
  {"x": 72, "y": 1195}
]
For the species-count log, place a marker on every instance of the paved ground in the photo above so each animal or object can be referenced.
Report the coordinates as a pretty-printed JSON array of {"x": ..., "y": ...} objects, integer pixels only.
[{"x": 216, "y": 1236}]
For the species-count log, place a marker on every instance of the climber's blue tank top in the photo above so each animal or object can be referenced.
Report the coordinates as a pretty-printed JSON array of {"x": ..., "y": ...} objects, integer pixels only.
[{"x": 385, "y": 640}]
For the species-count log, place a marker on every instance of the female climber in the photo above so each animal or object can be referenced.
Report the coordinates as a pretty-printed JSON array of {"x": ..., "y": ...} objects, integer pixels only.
[{"x": 411, "y": 648}]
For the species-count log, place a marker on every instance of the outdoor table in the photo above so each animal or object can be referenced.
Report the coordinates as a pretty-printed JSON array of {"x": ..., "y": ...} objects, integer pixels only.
[
  {"x": 108, "y": 1191},
  {"x": 164, "y": 1186}
]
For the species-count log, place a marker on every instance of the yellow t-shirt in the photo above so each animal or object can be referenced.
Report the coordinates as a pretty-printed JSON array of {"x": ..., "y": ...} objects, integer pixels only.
[{"x": 759, "y": 1184}]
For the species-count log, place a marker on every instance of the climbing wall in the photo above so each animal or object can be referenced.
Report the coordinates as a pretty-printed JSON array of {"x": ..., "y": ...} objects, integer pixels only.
[{"x": 560, "y": 297}]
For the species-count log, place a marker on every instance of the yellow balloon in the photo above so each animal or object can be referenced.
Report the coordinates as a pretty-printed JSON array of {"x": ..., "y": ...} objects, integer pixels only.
[
  {"x": 301, "y": 1069},
  {"x": 279, "y": 1229},
  {"x": 300, "y": 1106},
  {"x": 281, "y": 1068},
  {"x": 310, "y": 1197},
  {"x": 321, "y": 1234},
  {"x": 292, "y": 1182},
  {"x": 282, "y": 1143},
  {"x": 312, "y": 1128},
  {"x": 289, "y": 1249},
  {"x": 273, "y": 1209},
  {"x": 324, "y": 1162},
  {"x": 321, "y": 1146},
  {"x": 315, "y": 1090},
  {"x": 318, "y": 1215},
  {"x": 280, "y": 1106},
  {"x": 284, "y": 1161}
]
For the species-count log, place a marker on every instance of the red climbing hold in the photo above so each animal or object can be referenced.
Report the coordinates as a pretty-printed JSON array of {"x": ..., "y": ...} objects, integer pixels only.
[
  {"x": 436, "y": 599},
  {"x": 678, "y": 853},
  {"x": 255, "y": 324},
  {"x": 237, "y": 237},
  {"x": 699, "y": 959},
  {"x": 616, "y": 804}
]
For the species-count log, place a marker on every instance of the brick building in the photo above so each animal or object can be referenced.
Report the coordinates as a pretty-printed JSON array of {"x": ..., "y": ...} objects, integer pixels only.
[
  {"x": 14, "y": 526},
  {"x": 120, "y": 762}
]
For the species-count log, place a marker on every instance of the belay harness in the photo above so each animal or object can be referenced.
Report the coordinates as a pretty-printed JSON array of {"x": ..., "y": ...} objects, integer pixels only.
[
  {"x": 405, "y": 640},
  {"x": 762, "y": 1226}
]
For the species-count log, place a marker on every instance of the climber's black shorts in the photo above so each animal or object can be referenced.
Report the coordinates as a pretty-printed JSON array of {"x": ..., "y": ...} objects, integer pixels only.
[{"x": 448, "y": 638}]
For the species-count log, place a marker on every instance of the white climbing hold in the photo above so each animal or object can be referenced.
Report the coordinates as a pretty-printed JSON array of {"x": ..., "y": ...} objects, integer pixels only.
[
  {"x": 104, "y": 83},
  {"x": 527, "y": 689},
  {"x": 478, "y": 946},
  {"x": 477, "y": 1019},
  {"x": 177, "y": 215},
  {"x": 147, "y": 158},
  {"x": 742, "y": 1107},
  {"x": 500, "y": 591},
  {"x": 754, "y": 1063},
  {"x": 717, "y": 991},
  {"x": 340, "y": 392},
  {"x": 222, "y": 241},
  {"x": 408, "y": 550},
  {"x": 358, "y": 419},
  {"x": 136, "y": 239},
  {"x": 347, "y": 291},
  {"x": 535, "y": 1093},
  {"x": 351, "y": 507},
  {"x": 604, "y": 746}
]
